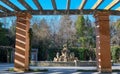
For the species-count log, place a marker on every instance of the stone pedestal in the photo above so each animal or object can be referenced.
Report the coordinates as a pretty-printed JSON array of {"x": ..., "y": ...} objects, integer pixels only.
[
  {"x": 21, "y": 61},
  {"x": 103, "y": 41}
]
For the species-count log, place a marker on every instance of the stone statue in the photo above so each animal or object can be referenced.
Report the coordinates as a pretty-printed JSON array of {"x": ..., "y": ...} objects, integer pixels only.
[
  {"x": 57, "y": 55},
  {"x": 72, "y": 55},
  {"x": 65, "y": 52},
  {"x": 65, "y": 55}
]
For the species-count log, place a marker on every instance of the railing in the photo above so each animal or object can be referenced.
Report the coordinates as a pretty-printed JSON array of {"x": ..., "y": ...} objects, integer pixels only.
[{"x": 52, "y": 63}]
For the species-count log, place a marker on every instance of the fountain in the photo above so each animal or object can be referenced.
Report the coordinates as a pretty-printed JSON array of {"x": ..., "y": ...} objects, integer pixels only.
[{"x": 66, "y": 56}]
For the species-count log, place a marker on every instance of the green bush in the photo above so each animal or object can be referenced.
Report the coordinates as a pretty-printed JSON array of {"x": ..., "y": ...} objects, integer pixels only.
[
  {"x": 79, "y": 52},
  {"x": 115, "y": 53},
  {"x": 83, "y": 53}
]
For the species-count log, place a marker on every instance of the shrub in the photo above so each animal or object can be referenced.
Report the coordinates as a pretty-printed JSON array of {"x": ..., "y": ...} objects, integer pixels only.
[
  {"x": 115, "y": 53},
  {"x": 80, "y": 53},
  {"x": 83, "y": 53}
]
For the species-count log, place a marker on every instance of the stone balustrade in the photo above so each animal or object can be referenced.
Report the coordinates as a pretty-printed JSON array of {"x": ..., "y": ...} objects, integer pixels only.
[{"x": 52, "y": 63}]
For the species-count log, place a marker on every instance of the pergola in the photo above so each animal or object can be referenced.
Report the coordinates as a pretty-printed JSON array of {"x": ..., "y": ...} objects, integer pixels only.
[{"x": 23, "y": 21}]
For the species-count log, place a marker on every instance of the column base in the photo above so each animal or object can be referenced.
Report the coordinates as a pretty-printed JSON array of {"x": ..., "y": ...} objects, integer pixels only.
[
  {"x": 20, "y": 69},
  {"x": 105, "y": 70}
]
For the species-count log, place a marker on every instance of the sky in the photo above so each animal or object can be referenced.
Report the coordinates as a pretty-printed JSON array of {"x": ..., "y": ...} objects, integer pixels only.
[{"x": 61, "y": 4}]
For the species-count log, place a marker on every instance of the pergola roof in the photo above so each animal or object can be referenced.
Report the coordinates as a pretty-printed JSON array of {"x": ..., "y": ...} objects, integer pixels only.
[{"x": 11, "y": 7}]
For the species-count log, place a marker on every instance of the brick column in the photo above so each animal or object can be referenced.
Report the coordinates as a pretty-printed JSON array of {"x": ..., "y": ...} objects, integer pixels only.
[
  {"x": 103, "y": 41},
  {"x": 21, "y": 61}
]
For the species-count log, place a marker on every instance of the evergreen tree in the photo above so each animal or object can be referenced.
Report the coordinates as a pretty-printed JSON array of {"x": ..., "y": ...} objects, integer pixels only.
[
  {"x": 4, "y": 40},
  {"x": 80, "y": 30},
  {"x": 85, "y": 32},
  {"x": 80, "y": 25}
]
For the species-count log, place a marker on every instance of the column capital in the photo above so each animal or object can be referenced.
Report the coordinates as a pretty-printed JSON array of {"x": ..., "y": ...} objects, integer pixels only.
[
  {"x": 23, "y": 14},
  {"x": 101, "y": 13}
]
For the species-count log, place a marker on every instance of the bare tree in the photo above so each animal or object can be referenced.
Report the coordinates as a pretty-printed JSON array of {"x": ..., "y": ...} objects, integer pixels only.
[{"x": 66, "y": 31}]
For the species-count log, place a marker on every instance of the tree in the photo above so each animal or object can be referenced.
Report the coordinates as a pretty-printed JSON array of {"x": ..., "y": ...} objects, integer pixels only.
[
  {"x": 90, "y": 33},
  {"x": 40, "y": 38},
  {"x": 54, "y": 27},
  {"x": 81, "y": 30},
  {"x": 66, "y": 31},
  {"x": 86, "y": 35},
  {"x": 4, "y": 40},
  {"x": 115, "y": 33},
  {"x": 85, "y": 32},
  {"x": 11, "y": 34}
]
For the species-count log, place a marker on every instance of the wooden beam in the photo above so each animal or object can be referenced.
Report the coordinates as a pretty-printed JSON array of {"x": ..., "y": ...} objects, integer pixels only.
[
  {"x": 4, "y": 9},
  {"x": 58, "y": 12},
  {"x": 25, "y": 4},
  {"x": 113, "y": 3},
  {"x": 97, "y": 4},
  {"x": 9, "y": 14},
  {"x": 82, "y": 4},
  {"x": 54, "y": 4},
  {"x": 38, "y": 4},
  {"x": 10, "y": 4},
  {"x": 68, "y": 4}
]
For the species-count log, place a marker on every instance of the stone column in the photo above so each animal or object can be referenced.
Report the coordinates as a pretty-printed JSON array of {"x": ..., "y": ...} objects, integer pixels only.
[
  {"x": 103, "y": 41},
  {"x": 21, "y": 61}
]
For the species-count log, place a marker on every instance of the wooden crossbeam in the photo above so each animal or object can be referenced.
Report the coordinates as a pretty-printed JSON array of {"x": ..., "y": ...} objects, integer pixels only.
[
  {"x": 4, "y": 9},
  {"x": 97, "y": 4},
  {"x": 113, "y": 3},
  {"x": 38, "y": 4},
  {"x": 7, "y": 14},
  {"x": 10, "y": 4},
  {"x": 68, "y": 4},
  {"x": 54, "y": 4},
  {"x": 58, "y": 12},
  {"x": 82, "y": 4},
  {"x": 25, "y": 4}
]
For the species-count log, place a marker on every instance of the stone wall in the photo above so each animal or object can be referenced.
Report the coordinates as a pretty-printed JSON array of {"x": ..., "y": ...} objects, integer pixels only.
[
  {"x": 86, "y": 63},
  {"x": 51, "y": 63}
]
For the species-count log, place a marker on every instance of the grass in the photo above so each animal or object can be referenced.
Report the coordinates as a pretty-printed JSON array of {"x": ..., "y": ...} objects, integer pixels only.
[
  {"x": 11, "y": 69},
  {"x": 30, "y": 70}
]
